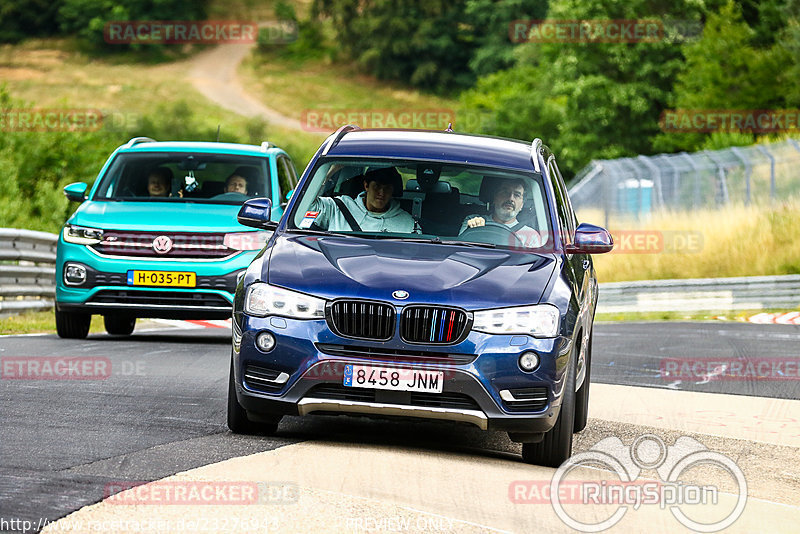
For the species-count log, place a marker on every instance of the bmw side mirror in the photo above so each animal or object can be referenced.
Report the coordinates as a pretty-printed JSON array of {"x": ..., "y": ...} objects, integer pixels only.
[
  {"x": 76, "y": 192},
  {"x": 256, "y": 213},
  {"x": 591, "y": 239}
]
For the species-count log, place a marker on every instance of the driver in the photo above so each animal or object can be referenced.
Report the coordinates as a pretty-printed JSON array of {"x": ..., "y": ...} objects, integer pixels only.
[{"x": 506, "y": 204}]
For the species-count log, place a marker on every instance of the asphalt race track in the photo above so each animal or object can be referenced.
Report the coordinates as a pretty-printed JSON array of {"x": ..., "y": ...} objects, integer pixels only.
[{"x": 156, "y": 408}]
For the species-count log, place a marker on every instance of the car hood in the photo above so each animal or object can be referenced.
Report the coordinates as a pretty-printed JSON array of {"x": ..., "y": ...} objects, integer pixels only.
[
  {"x": 149, "y": 216},
  {"x": 472, "y": 278}
]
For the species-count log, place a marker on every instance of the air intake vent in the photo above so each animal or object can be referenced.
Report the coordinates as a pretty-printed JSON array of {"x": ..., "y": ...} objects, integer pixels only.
[
  {"x": 528, "y": 399},
  {"x": 432, "y": 325},
  {"x": 362, "y": 319},
  {"x": 264, "y": 378}
]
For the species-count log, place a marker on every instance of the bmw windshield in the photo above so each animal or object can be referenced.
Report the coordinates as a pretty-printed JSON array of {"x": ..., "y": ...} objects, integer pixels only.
[{"x": 424, "y": 201}]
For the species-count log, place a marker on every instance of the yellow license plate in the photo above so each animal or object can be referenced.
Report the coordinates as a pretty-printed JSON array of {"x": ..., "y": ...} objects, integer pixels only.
[{"x": 162, "y": 278}]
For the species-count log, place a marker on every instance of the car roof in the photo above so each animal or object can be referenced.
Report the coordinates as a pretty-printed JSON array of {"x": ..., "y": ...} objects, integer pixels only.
[
  {"x": 198, "y": 146},
  {"x": 448, "y": 147}
]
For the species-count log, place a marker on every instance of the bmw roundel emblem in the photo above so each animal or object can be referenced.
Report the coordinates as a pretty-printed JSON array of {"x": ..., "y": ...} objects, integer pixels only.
[{"x": 400, "y": 294}]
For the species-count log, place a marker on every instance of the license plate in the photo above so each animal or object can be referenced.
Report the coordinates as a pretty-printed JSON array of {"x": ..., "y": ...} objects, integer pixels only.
[
  {"x": 162, "y": 278},
  {"x": 368, "y": 376}
]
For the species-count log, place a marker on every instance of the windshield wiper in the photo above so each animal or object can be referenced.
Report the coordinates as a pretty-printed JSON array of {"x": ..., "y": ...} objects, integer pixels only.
[
  {"x": 310, "y": 232},
  {"x": 438, "y": 241},
  {"x": 468, "y": 243}
]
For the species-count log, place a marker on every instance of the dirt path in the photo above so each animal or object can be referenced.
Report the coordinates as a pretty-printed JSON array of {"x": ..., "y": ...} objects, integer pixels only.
[{"x": 213, "y": 74}]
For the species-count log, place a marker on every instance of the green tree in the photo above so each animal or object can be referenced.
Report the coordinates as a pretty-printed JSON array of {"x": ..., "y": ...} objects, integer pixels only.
[
  {"x": 724, "y": 70},
  {"x": 587, "y": 99},
  {"x": 438, "y": 45},
  {"x": 24, "y": 18}
]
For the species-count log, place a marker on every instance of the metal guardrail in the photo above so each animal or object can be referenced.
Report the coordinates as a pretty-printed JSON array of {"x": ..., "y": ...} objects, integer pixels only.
[
  {"x": 636, "y": 187},
  {"x": 27, "y": 270},
  {"x": 701, "y": 294}
]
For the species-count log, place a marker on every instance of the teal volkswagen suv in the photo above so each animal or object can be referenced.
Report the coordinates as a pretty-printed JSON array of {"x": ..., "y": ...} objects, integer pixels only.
[{"x": 157, "y": 235}]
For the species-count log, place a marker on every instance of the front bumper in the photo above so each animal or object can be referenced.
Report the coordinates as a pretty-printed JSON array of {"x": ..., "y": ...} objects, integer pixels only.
[
  {"x": 106, "y": 290},
  {"x": 303, "y": 375}
]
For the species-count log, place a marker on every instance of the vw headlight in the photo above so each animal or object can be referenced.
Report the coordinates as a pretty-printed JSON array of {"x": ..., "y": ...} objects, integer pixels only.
[
  {"x": 539, "y": 321},
  {"x": 82, "y": 235},
  {"x": 263, "y": 299}
]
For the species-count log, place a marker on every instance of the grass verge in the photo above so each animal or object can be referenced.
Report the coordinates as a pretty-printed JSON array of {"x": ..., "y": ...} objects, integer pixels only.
[
  {"x": 731, "y": 241},
  {"x": 40, "y": 322}
]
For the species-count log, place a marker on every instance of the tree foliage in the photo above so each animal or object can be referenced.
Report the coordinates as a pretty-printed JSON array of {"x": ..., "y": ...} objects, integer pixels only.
[
  {"x": 436, "y": 45},
  {"x": 604, "y": 100}
]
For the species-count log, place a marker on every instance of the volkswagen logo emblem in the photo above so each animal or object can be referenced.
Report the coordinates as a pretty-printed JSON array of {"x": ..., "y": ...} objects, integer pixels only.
[
  {"x": 400, "y": 294},
  {"x": 162, "y": 244}
]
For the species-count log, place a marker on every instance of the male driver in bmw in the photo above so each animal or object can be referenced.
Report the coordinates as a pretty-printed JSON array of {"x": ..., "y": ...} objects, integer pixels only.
[
  {"x": 373, "y": 210},
  {"x": 507, "y": 202}
]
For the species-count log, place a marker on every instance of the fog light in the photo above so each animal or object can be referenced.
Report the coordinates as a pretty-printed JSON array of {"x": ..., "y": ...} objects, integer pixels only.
[
  {"x": 74, "y": 274},
  {"x": 528, "y": 361},
  {"x": 265, "y": 341}
]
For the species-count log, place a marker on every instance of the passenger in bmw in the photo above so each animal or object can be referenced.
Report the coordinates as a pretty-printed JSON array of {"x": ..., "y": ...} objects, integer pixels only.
[{"x": 373, "y": 210}]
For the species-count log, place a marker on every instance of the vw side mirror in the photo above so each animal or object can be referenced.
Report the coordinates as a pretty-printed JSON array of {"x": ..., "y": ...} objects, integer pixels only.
[{"x": 76, "y": 192}]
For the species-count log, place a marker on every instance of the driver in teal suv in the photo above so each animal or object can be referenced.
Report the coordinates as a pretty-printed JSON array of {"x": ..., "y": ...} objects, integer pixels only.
[{"x": 127, "y": 252}]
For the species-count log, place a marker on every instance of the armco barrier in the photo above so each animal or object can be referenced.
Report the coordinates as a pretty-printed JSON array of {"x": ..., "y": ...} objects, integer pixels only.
[
  {"x": 27, "y": 270},
  {"x": 701, "y": 294}
]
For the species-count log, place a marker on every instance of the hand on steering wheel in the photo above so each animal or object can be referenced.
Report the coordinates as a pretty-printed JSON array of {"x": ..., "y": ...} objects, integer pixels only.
[{"x": 490, "y": 232}]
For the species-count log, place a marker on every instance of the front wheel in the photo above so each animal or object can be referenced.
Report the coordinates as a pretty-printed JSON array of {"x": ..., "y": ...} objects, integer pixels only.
[
  {"x": 71, "y": 325},
  {"x": 556, "y": 446},
  {"x": 238, "y": 421},
  {"x": 119, "y": 325}
]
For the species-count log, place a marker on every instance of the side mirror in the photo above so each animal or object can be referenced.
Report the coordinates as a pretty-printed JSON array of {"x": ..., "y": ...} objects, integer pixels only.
[
  {"x": 76, "y": 192},
  {"x": 591, "y": 239},
  {"x": 256, "y": 213}
]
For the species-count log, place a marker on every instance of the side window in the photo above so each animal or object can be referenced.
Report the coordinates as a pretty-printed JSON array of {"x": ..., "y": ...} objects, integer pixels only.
[
  {"x": 565, "y": 222},
  {"x": 571, "y": 212},
  {"x": 286, "y": 177}
]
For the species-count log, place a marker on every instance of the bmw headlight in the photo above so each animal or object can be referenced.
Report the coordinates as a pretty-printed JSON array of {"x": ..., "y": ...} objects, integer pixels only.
[
  {"x": 539, "y": 321},
  {"x": 82, "y": 235},
  {"x": 263, "y": 299}
]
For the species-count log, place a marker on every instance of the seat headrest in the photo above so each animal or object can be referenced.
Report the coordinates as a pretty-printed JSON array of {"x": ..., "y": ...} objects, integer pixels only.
[{"x": 489, "y": 186}]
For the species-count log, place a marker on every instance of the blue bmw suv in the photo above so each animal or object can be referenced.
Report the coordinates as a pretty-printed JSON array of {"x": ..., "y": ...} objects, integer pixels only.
[{"x": 421, "y": 274}]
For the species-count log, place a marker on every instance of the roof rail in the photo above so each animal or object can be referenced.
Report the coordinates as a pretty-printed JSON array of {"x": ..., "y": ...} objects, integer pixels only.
[
  {"x": 535, "y": 147},
  {"x": 137, "y": 140},
  {"x": 266, "y": 145},
  {"x": 337, "y": 136}
]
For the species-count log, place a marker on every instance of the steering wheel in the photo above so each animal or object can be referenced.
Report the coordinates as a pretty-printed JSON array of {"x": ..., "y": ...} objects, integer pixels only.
[{"x": 492, "y": 233}]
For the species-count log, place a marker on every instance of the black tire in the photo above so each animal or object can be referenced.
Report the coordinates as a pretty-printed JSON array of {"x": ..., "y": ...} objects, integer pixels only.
[
  {"x": 556, "y": 446},
  {"x": 119, "y": 325},
  {"x": 238, "y": 421},
  {"x": 71, "y": 325},
  {"x": 582, "y": 396}
]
